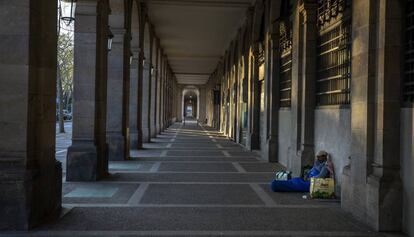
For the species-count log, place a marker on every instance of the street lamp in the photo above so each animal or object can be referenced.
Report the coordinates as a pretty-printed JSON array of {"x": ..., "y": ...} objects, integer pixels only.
[
  {"x": 110, "y": 37},
  {"x": 68, "y": 12}
]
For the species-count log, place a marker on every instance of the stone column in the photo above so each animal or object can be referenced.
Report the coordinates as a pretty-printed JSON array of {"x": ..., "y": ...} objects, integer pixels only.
[
  {"x": 156, "y": 88},
  {"x": 178, "y": 101},
  {"x": 167, "y": 117},
  {"x": 30, "y": 177},
  {"x": 168, "y": 102},
  {"x": 133, "y": 100},
  {"x": 308, "y": 80},
  {"x": 303, "y": 87},
  {"x": 87, "y": 158},
  {"x": 158, "y": 72},
  {"x": 146, "y": 102},
  {"x": 273, "y": 78},
  {"x": 116, "y": 116},
  {"x": 140, "y": 89},
  {"x": 254, "y": 102},
  {"x": 371, "y": 184},
  {"x": 166, "y": 98},
  {"x": 162, "y": 94}
]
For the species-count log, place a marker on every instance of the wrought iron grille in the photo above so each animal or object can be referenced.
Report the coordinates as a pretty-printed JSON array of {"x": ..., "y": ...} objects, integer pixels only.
[
  {"x": 408, "y": 84},
  {"x": 261, "y": 54},
  {"x": 334, "y": 53},
  {"x": 331, "y": 10},
  {"x": 285, "y": 64}
]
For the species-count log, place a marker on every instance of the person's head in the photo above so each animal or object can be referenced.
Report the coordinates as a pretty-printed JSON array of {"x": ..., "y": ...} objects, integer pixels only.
[{"x": 322, "y": 156}]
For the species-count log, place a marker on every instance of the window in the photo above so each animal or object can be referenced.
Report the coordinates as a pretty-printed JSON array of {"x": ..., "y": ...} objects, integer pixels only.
[
  {"x": 285, "y": 46},
  {"x": 408, "y": 83},
  {"x": 334, "y": 53}
]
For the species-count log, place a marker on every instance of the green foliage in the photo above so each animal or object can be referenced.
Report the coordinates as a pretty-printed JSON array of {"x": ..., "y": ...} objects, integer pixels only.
[
  {"x": 65, "y": 66},
  {"x": 322, "y": 195}
]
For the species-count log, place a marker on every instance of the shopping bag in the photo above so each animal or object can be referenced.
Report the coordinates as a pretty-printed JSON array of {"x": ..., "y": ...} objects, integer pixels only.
[{"x": 322, "y": 188}]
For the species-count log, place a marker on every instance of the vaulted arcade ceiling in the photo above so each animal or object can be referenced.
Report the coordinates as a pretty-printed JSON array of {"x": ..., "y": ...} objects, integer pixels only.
[{"x": 195, "y": 33}]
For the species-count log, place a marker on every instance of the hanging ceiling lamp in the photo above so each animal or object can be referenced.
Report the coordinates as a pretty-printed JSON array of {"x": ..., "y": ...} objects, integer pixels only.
[{"x": 68, "y": 11}]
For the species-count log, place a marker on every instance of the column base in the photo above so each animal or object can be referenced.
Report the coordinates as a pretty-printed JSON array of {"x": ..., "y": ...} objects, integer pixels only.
[
  {"x": 300, "y": 159},
  {"x": 307, "y": 155},
  {"x": 116, "y": 146},
  {"x": 378, "y": 202},
  {"x": 385, "y": 196},
  {"x": 253, "y": 141},
  {"x": 146, "y": 135},
  {"x": 271, "y": 150},
  {"x": 153, "y": 133},
  {"x": 133, "y": 140},
  {"x": 29, "y": 199},
  {"x": 82, "y": 162},
  {"x": 139, "y": 143}
]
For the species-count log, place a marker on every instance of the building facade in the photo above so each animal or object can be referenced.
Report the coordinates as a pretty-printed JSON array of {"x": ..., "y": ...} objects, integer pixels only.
[
  {"x": 333, "y": 75},
  {"x": 298, "y": 77}
]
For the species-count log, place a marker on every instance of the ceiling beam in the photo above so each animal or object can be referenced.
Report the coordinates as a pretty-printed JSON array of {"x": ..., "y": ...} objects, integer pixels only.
[
  {"x": 201, "y": 3},
  {"x": 191, "y": 74}
]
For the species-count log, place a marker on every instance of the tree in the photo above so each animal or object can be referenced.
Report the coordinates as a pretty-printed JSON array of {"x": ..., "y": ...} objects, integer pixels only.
[{"x": 64, "y": 77}]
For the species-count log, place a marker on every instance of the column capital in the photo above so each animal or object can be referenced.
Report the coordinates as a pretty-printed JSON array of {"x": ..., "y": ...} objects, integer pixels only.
[
  {"x": 135, "y": 51},
  {"x": 119, "y": 35}
]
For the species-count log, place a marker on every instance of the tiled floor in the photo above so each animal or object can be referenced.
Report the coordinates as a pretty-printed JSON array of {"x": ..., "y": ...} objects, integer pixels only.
[{"x": 192, "y": 181}]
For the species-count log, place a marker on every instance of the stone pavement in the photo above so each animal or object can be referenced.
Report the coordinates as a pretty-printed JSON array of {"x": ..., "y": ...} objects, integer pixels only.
[
  {"x": 191, "y": 181},
  {"x": 63, "y": 141}
]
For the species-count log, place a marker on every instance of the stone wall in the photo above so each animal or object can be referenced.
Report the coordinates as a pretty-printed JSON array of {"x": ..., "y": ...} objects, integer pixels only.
[
  {"x": 285, "y": 134},
  {"x": 407, "y": 168},
  {"x": 333, "y": 134}
]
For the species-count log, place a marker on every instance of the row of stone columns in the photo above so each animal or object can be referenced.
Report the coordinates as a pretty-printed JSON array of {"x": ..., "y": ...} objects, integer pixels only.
[
  {"x": 371, "y": 184},
  {"x": 107, "y": 106},
  {"x": 108, "y": 113}
]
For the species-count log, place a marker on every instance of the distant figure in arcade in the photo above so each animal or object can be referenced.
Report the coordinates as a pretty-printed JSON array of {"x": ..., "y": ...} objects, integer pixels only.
[{"x": 322, "y": 168}]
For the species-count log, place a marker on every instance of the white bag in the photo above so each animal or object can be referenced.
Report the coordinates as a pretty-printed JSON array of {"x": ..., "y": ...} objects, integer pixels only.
[{"x": 283, "y": 175}]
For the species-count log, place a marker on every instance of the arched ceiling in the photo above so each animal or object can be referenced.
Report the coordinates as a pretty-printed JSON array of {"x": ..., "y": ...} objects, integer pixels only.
[
  {"x": 190, "y": 95},
  {"x": 195, "y": 33}
]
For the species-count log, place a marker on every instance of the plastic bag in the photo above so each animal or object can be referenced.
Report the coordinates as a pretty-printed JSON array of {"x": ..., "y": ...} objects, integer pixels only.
[
  {"x": 322, "y": 188},
  {"x": 283, "y": 175}
]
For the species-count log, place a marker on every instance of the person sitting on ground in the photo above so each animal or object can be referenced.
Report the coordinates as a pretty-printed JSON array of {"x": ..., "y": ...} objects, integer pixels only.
[{"x": 322, "y": 168}]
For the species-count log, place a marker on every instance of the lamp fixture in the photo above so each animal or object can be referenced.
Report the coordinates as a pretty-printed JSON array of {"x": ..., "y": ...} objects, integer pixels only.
[
  {"x": 68, "y": 13},
  {"x": 110, "y": 38}
]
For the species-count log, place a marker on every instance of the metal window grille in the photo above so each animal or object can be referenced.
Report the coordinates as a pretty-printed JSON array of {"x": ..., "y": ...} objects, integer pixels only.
[
  {"x": 408, "y": 83},
  {"x": 285, "y": 83},
  {"x": 334, "y": 53},
  {"x": 261, "y": 55}
]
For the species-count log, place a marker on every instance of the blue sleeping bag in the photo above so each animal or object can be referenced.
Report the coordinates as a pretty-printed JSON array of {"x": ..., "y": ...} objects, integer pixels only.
[
  {"x": 291, "y": 185},
  {"x": 294, "y": 184}
]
